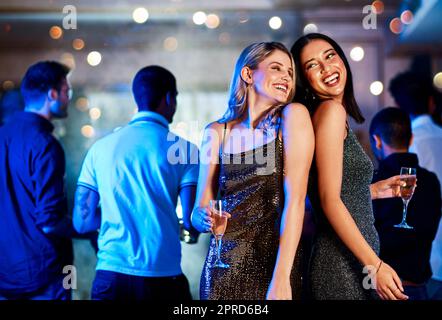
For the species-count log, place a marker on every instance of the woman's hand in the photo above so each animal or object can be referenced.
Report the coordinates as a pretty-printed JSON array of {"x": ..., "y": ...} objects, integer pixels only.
[
  {"x": 202, "y": 219},
  {"x": 279, "y": 290},
  {"x": 388, "y": 284},
  {"x": 388, "y": 188}
]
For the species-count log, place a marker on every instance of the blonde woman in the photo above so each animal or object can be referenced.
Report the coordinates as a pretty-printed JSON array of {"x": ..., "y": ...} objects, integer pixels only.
[{"x": 257, "y": 159}]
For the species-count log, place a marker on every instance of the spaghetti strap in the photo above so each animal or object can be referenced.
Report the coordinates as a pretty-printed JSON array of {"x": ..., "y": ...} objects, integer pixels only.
[{"x": 221, "y": 147}]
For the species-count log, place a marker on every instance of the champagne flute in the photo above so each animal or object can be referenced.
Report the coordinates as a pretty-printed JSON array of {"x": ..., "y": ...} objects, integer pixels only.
[
  {"x": 408, "y": 175},
  {"x": 218, "y": 229}
]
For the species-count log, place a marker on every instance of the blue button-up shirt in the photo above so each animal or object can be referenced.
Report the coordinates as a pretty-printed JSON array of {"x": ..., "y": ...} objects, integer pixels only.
[{"x": 32, "y": 197}]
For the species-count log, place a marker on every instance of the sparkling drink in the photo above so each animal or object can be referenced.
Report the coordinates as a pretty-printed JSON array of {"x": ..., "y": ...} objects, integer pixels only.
[
  {"x": 219, "y": 224},
  {"x": 408, "y": 190}
]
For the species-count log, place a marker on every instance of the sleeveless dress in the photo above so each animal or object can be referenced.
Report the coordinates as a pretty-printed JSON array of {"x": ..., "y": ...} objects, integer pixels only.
[
  {"x": 335, "y": 273},
  {"x": 252, "y": 192}
]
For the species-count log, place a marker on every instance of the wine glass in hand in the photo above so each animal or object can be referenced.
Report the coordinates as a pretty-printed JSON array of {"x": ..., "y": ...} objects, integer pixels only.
[
  {"x": 219, "y": 225},
  {"x": 408, "y": 180}
]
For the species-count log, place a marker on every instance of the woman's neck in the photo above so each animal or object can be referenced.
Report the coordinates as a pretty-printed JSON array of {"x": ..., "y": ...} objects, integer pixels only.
[{"x": 257, "y": 109}]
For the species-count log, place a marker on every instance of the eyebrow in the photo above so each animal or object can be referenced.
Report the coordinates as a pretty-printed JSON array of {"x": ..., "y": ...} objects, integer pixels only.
[
  {"x": 290, "y": 68},
  {"x": 331, "y": 49}
]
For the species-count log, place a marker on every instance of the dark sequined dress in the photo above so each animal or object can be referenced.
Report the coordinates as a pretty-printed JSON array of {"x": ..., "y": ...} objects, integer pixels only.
[
  {"x": 335, "y": 272},
  {"x": 252, "y": 191}
]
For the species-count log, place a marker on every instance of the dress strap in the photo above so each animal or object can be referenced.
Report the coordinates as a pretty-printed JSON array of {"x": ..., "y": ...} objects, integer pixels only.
[
  {"x": 224, "y": 137},
  {"x": 224, "y": 133}
]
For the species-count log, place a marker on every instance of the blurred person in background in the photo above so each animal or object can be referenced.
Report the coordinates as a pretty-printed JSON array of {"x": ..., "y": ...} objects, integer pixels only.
[
  {"x": 406, "y": 250},
  {"x": 35, "y": 229},
  {"x": 414, "y": 94}
]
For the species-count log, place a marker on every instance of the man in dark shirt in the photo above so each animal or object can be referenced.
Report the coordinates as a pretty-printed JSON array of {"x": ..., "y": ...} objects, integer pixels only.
[
  {"x": 34, "y": 230},
  {"x": 406, "y": 250}
]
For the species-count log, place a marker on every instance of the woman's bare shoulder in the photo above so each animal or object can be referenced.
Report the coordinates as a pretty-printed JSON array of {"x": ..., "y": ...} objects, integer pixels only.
[
  {"x": 295, "y": 108},
  {"x": 330, "y": 110}
]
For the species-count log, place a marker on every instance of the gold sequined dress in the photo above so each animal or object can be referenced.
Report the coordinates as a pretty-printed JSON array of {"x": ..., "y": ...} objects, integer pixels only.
[{"x": 252, "y": 192}]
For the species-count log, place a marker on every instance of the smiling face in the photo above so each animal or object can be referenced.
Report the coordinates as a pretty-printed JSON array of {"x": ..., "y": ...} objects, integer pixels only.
[
  {"x": 273, "y": 79},
  {"x": 324, "y": 69}
]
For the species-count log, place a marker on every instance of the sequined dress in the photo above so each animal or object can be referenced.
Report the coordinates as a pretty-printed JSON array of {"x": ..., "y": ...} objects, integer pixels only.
[
  {"x": 252, "y": 191},
  {"x": 335, "y": 273}
]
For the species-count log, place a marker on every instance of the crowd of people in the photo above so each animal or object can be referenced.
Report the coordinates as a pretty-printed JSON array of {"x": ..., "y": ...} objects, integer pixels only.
[{"x": 284, "y": 138}]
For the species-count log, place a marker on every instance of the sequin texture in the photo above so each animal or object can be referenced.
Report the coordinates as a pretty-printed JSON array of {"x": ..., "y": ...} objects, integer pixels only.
[
  {"x": 335, "y": 271},
  {"x": 250, "y": 243}
]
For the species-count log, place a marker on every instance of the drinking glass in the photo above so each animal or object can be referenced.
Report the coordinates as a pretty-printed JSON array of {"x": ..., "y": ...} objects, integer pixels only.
[
  {"x": 408, "y": 175},
  {"x": 218, "y": 229}
]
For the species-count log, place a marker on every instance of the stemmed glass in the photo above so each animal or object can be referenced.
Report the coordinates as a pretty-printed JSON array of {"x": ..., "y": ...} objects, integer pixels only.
[
  {"x": 408, "y": 175},
  {"x": 218, "y": 229}
]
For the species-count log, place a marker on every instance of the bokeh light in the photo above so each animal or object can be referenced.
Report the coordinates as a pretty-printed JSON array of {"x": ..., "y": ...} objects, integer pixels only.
[
  {"x": 275, "y": 22},
  {"x": 140, "y": 15},
  {"x": 82, "y": 104},
  {"x": 78, "y": 44},
  {"x": 376, "y": 88},
  {"x": 94, "y": 58},
  {"x": 8, "y": 85},
  {"x": 396, "y": 25},
  {"x": 357, "y": 54},
  {"x": 170, "y": 44},
  {"x": 407, "y": 17},
  {"x": 88, "y": 131},
  {"x": 199, "y": 18},
  {"x": 55, "y": 32},
  {"x": 212, "y": 21},
  {"x": 310, "y": 28},
  {"x": 95, "y": 113},
  {"x": 437, "y": 80},
  {"x": 378, "y": 6}
]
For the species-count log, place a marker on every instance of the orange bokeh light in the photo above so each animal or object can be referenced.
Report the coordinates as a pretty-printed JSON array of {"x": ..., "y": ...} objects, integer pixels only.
[
  {"x": 78, "y": 44},
  {"x": 55, "y": 32},
  {"x": 407, "y": 17},
  {"x": 378, "y": 6},
  {"x": 396, "y": 26}
]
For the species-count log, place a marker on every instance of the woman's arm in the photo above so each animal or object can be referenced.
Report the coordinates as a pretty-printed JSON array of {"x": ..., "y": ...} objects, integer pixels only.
[
  {"x": 329, "y": 125},
  {"x": 298, "y": 138},
  {"x": 207, "y": 187}
]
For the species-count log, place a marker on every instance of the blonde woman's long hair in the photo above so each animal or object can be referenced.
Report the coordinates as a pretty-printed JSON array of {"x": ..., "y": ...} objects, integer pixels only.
[{"x": 251, "y": 57}]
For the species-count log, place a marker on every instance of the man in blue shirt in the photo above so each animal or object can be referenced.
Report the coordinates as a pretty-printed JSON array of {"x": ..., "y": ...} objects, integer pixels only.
[
  {"x": 34, "y": 247},
  {"x": 137, "y": 174}
]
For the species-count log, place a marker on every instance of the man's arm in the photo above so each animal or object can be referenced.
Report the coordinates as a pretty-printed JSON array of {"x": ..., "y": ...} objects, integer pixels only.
[
  {"x": 47, "y": 174},
  {"x": 187, "y": 197},
  {"x": 86, "y": 216}
]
